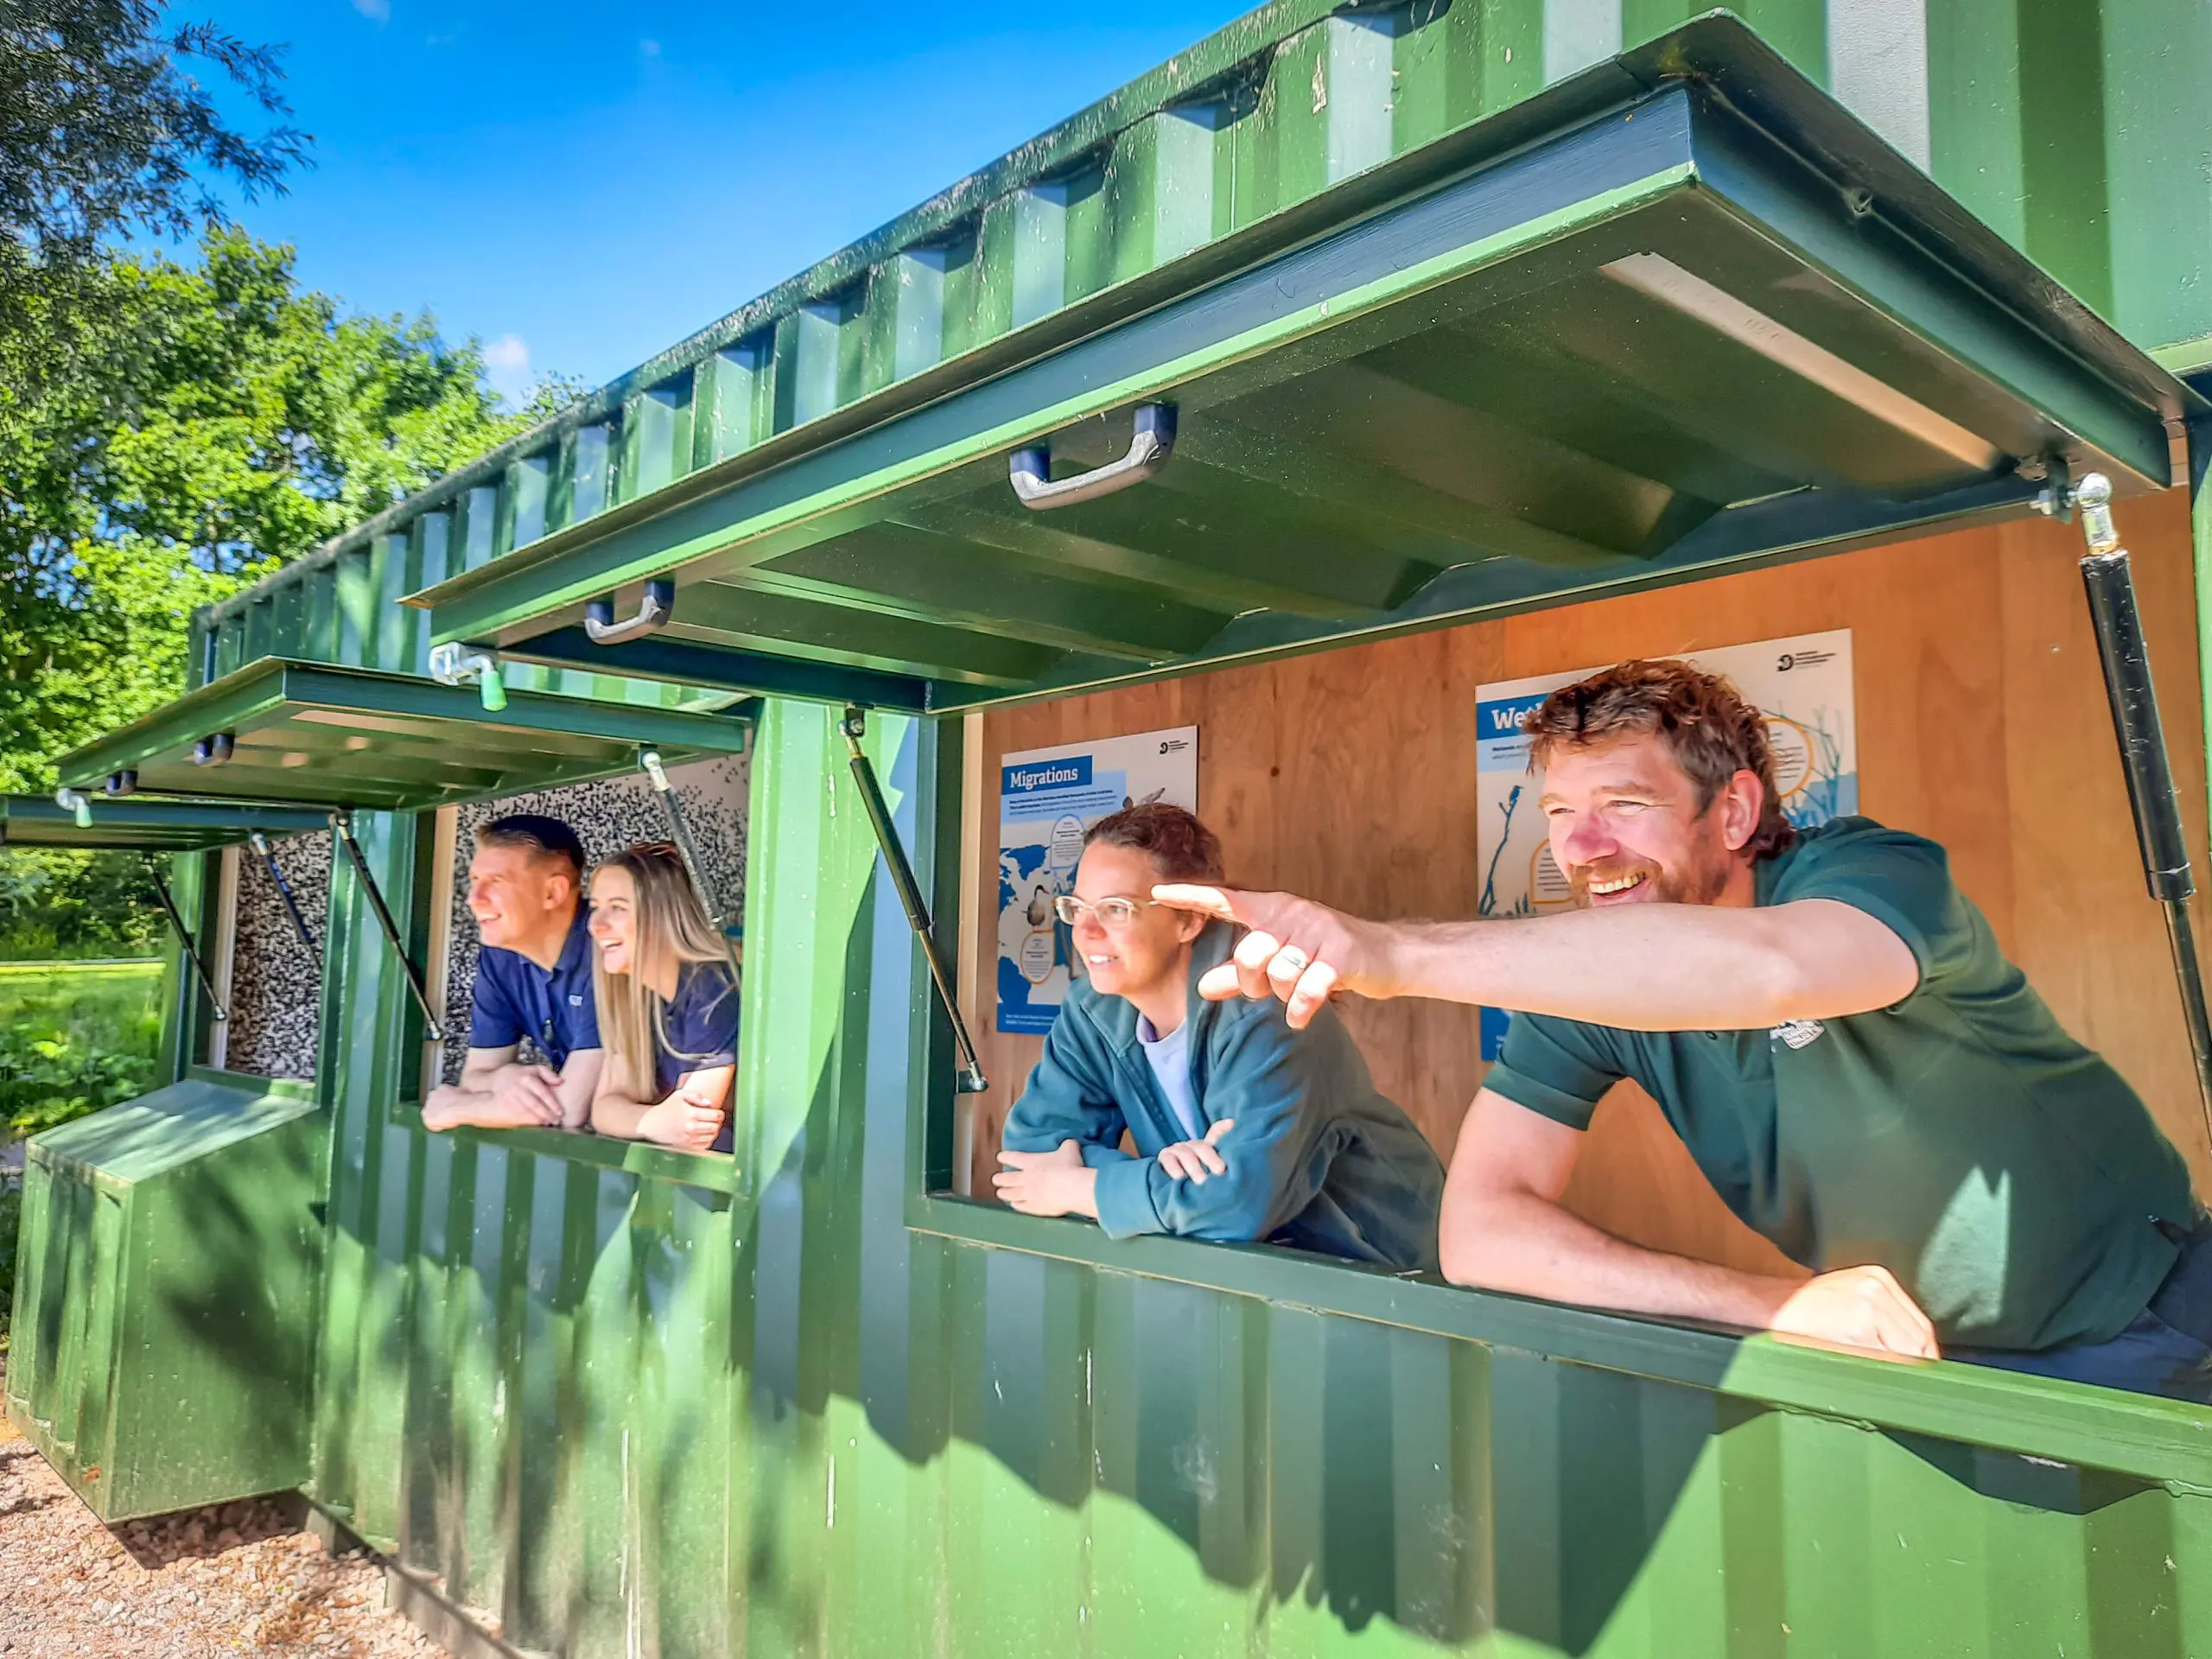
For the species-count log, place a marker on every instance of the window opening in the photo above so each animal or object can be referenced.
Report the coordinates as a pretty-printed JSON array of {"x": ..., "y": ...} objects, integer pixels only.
[
  {"x": 607, "y": 814},
  {"x": 271, "y": 975}
]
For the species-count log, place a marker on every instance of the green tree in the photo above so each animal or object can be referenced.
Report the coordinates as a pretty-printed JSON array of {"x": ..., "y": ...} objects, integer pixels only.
[
  {"x": 107, "y": 129},
  {"x": 223, "y": 422},
  {"x": 235, "y": 423}
]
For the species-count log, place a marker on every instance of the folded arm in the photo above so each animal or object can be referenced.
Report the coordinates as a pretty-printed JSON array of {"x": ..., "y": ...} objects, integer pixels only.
[
  {"x": 1266, "y": 1149},
  {"x": 1061, "y": 1130},
  {"x": 688, "y": 1118},
  {"x": 1503, "y": 1228},
  {"x": 494, "y": 1092}
]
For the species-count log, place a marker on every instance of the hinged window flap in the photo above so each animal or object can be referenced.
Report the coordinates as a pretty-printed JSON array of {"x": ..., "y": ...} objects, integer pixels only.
[
  {"x": 136, "y": 824},
  {"x": 1628, "y": 345},
  {"x": 313, "y": 733}
]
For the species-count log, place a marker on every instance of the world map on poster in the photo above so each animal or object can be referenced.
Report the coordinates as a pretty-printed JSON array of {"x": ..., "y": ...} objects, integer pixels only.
[
  {"x": 1048, "y": 798},
  {"x": 1803, "y": 686}
]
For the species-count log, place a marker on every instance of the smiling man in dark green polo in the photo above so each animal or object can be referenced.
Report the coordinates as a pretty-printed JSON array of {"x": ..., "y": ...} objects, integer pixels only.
[{"x": 1831, "y": 1028}]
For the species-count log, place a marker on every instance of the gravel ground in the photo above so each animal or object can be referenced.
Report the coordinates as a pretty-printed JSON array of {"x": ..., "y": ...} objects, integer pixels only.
[{"x": 238, "y": 1578}]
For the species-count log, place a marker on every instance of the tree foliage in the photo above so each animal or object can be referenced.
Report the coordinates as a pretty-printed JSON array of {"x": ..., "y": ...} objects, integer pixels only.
[
  {"x": 219, "y": 422},
  {"x": 227, "y": 422},
  {"x": 105, "y": 128},
  {"x": 170, "y": 431}
]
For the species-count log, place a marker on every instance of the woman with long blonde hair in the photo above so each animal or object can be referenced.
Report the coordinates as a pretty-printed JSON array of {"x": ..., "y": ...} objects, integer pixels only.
[{"x": 668, "y": 1006}]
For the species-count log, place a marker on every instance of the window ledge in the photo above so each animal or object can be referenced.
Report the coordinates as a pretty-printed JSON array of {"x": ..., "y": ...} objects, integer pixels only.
[
  {"x": 716, "y": 1171},
  {"x": 2162, "y": 1440},
  {"x": 279, "y": 1088}
]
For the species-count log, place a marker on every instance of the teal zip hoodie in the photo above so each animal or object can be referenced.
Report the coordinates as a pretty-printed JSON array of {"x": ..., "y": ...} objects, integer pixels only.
[{"x": 1317, "y": 1158}]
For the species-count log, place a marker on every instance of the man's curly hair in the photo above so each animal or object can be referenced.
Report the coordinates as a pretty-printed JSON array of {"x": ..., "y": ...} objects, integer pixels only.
[{"x": 1706, "y": 723}]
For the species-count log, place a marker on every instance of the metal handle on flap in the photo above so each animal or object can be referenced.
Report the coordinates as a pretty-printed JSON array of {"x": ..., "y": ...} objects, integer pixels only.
[
  {"x": 455, "y": 664},
  {"x": 1030, "y": 469},
  {"x": 653, "y": 614}
]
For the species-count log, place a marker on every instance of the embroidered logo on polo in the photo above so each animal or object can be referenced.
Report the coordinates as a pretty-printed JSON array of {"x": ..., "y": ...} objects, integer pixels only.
[{"x": 1798, "y": 1033}]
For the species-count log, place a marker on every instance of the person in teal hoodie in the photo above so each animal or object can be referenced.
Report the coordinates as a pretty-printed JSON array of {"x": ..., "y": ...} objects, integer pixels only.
[{"x": 1244, "y": 1129}]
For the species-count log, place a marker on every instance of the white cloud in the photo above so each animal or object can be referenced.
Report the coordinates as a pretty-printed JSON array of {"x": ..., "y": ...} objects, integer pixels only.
[
  {"x": 377, "y": 11},
  {"x": 506, "y": 365}
]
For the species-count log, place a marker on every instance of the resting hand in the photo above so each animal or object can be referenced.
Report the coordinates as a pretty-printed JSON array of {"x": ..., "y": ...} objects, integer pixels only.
[
  {"x": 1296, "y": 950},
  {"x": 683, "y": 1122},
  {"x": 1860, "y": 1307},
  {"x": 1193, "y": 1160},
  {"x": 526, "y": 1096},
  {"x": 1055, "y": 1183}
]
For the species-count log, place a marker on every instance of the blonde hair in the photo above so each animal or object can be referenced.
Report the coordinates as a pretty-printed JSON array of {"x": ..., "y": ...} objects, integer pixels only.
[{"x": 668, "y": 927}]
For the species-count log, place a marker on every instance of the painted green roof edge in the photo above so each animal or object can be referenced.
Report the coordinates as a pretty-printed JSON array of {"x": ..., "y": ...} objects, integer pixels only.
[{"x": 1180, "y": 79}]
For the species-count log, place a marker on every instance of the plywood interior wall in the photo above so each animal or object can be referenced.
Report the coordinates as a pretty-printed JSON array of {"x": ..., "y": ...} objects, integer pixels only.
[{"x": 1349, "y": 775}]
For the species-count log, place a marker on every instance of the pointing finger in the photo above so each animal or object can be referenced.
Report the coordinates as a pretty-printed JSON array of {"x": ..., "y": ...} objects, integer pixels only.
[
  {"x": 1217, "y": 1130},
  {"x": 1207, "y": 901}
]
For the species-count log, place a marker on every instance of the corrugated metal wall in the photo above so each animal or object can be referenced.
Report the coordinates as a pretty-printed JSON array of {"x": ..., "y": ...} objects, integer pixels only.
[
  {"x": 2076, "y": 128},
  {"x": 633, "y": 1416}
]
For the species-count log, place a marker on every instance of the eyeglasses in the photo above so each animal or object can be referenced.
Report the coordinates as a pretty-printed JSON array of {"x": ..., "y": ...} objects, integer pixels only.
[{"x": 1113, "y": 913}]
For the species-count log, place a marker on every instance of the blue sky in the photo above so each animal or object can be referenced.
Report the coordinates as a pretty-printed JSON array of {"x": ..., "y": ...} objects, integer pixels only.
[{"x": 581, "y": 185}]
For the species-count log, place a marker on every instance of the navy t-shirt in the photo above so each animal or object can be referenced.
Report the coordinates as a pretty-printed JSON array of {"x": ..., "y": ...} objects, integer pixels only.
[
  {"x": 701, "y": 1027},
  {"x": 515, "y": 998}
]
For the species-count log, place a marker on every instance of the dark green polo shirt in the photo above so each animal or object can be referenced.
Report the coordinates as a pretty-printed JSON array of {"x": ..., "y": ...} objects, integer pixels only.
[{"x": 2007, "y": 1175}]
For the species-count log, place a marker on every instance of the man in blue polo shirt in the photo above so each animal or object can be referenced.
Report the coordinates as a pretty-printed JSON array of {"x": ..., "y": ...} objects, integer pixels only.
[
  {"x": 533, "y": 981},
  {"x": 1830, "y": 1025}
]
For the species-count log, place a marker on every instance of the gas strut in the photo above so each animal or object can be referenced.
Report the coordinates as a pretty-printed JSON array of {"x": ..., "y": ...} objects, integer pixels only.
[
  {"x": 673, "y": 809},
  {"x": 184, "y": 938},
  {"x": 341, "y": 826},
  {"x": 2110, "y": 584},
  {"x": 854, "y": 727},
  {"x": 259, "y": 842}
]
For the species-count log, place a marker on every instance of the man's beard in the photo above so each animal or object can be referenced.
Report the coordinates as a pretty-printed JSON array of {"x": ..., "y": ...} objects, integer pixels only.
[{"x": 1701, "y": 883}]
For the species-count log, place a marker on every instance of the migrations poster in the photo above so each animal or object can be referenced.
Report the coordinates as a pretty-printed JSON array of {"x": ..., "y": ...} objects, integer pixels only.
[{"x": 1047, "y": 799}]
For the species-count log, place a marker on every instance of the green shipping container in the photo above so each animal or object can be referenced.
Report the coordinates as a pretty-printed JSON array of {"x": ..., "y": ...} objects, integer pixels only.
[{"x": 1458, "y": 311}]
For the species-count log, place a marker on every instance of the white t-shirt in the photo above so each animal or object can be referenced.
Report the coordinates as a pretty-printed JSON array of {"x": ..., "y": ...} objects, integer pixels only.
[{"x": 1170, "y": 1059}]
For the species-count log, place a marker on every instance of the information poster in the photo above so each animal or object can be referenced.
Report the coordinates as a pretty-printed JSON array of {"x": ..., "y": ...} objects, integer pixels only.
[
  {"x": 1047, "y": 799},
  {"x": 1802, "y": 684}
]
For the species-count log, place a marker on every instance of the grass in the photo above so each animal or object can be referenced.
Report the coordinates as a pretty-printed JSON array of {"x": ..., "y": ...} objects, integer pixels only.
[{"x": 76, "y": 1037}]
